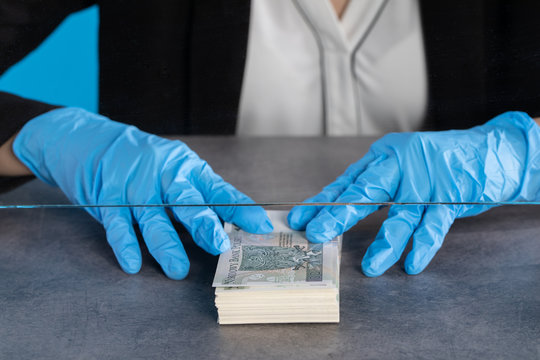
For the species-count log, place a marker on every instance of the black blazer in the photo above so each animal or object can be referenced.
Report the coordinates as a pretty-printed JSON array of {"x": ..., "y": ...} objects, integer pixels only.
[{"x": 176, "y": 66}]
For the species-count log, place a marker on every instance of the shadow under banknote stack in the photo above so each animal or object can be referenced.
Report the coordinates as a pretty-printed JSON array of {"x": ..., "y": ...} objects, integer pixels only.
[{"x": 278, "y": 277}]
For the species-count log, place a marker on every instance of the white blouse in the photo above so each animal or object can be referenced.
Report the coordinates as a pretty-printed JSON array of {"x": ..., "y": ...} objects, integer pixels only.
[{"x": 309, "y": 73}]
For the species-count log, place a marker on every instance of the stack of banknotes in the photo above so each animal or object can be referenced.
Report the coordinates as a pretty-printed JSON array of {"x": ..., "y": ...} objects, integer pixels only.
[{"x": 278, "y": 277}]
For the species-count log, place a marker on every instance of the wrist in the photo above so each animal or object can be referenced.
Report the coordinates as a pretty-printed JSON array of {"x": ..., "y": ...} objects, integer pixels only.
[{"x": 10, "y": 165}]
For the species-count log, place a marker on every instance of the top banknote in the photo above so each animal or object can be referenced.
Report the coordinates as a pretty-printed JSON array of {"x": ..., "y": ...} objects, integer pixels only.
[{"x": 282, "y": 258}]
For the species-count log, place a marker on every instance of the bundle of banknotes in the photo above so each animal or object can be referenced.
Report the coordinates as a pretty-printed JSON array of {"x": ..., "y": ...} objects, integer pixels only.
[{"x": 278, "y": 277}]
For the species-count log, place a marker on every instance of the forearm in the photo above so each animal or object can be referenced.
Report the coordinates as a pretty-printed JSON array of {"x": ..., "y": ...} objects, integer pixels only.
[
  {"x": 10, "y": 165},
  {"x": 537, "y": 119}
]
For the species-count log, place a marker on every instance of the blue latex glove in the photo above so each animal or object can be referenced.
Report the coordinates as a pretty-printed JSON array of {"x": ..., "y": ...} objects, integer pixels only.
[
  {"x": 499, "y": 161},
  {"x": 98, "y": 161}
]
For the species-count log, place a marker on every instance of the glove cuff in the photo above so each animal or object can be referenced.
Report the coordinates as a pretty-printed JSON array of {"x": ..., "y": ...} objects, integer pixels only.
[
  {"x": 530, "y": 190},
  {"x": 59, "y": 137},
  {"x": 530, "y": 133}
]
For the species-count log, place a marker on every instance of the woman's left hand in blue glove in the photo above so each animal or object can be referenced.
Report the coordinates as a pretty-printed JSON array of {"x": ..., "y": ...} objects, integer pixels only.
[
  {"x": 96, "y": 161},
  {"x": 498, "y": 161}
]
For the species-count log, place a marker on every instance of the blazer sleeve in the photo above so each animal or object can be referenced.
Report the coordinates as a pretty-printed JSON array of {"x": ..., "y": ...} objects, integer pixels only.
[{"x": 24, "y": 24}]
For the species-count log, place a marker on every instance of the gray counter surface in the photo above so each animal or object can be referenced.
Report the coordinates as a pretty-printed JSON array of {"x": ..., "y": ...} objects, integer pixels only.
[{"x": 62, "y": 295}]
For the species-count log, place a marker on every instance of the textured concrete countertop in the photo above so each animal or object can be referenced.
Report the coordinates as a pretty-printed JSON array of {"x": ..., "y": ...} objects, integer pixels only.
[{"x": 62, "y": 295}]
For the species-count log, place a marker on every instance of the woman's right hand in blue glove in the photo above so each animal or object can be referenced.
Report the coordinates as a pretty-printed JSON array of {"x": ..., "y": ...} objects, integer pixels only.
[
  {"x": 98, "y": 161},
  {"x": 496, "y": 162}
]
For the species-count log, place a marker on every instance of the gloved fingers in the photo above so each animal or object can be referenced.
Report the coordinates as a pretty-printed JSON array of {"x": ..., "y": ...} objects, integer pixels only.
[
  {"x": 202, "y": 222},
  {"x": 472, "y": 210},
  {"x": 122, "y": 239},
  {"x": 252, "y": 219},
  {"x": 214, "y": 189},
  {"x": 392, "y": 239},
  {"x": 429, "y": 237},
  {"x": 377, "y": 183},
  {"x": 162, "y": 241},
  {"x": 300, "y": 216}
]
